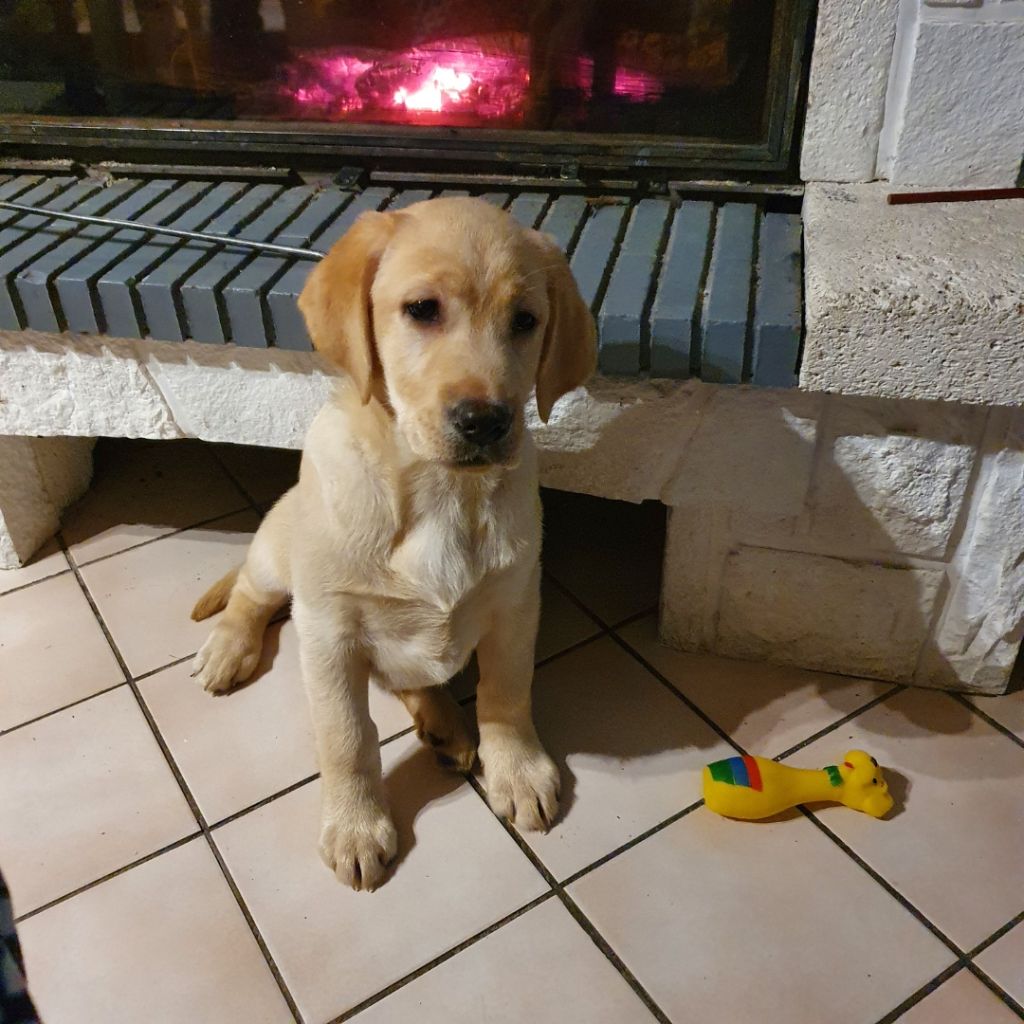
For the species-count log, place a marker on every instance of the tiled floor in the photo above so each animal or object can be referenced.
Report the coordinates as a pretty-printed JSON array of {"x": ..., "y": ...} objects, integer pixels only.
[{"x": 160, "y": 843}]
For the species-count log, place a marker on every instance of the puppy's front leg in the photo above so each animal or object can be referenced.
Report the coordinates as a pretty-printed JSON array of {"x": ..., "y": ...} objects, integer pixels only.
[
  {"x": 522, "y": 781},
  {"x": 357, "y": 837}
]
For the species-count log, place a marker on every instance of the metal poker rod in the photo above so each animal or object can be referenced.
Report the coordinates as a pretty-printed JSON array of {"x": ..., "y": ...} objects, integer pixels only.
[{"x": 243, "y": 243}]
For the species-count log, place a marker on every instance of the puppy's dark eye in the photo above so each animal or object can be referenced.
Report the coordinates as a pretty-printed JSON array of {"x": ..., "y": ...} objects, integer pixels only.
[
  {"x": 424, "y": 311},
  {"x": 523, "y": 322}
]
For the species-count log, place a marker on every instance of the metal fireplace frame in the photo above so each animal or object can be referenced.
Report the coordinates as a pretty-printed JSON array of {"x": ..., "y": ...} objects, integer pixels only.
[{"x": 306, "y": 146}]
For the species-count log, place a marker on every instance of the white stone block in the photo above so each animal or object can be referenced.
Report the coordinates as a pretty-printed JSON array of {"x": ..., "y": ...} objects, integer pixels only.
[
  {"x": 920, "y": 301},
  {"x": 78, "y": 385},
  {"x": 961, "y": 120},
  {"x": 618, "y": 438},
  {"x": 832, "y": 614},
  {"x": 846, "y": 98},
  {"x": 697, "y": 542},
  {"x": 750, "y": 458},
  {"x": 234, "y": 394},
  {"x": 38, "y": 478},
  {"x": 978, "y": 635},
  {"x": 892, "y": 476}
]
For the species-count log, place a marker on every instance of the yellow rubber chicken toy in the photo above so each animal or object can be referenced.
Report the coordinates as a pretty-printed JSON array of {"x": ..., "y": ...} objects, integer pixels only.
[{"x": 753, "y": 787}]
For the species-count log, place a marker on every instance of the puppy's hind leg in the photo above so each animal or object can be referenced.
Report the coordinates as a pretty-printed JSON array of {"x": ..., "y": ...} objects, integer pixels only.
[
  {"x": 441, "y": 724},
  {"x": 249, "y": 597}
]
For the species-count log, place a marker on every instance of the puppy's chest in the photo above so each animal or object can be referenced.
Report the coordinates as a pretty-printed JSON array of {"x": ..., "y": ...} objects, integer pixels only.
[{"x": 445, "y": 553}]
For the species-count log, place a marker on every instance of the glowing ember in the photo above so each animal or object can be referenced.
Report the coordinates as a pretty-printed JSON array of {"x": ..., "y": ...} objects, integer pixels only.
[
  {"x": 454, "y": 80},
  {"x": 445, "y": 85},
  {"x": 462, "y": 81}
]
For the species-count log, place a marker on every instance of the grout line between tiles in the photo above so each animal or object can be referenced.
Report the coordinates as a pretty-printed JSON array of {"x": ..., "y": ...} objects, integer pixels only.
[
  {"x": 885, "y": 884},
  {"x": 665, "y": 682},
  {"x": 64, "y": 897},
  {"x": 923, "y": 992},
  {"x": 997, "y": 990},
  {"x": 63, "y": 707},
  {"x": 34, "y": 583},
  {"x": 234, "y": 480},
  {"x": 613, "y": 958},
  {"x": 840, "y": 722},
  {"x": 571, "y": 906},
  {"x": 566, "y": 592},
  {"x": 997, "y": 935},
  {"x": 155, "y": 540},
  {"x": 291, "y": 787},
  {"x": 187, "y": 793},
  {"x": 986, "y": 717},
  {"x": 629, "y": 844},
  {"x": 163, "y": 668},
  {"x": 438, "y": 960}
]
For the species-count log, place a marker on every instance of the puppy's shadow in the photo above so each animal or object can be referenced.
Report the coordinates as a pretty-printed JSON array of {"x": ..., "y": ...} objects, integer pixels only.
[{"x": 412, "y": 784}]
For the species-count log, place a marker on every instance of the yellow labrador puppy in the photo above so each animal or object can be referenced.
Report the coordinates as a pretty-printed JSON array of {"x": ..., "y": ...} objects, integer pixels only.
[{"x": 413, "y": 535}]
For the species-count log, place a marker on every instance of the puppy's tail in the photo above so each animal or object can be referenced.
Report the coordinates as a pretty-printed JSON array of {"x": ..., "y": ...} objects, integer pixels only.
[{"x": 216, "y": 598}]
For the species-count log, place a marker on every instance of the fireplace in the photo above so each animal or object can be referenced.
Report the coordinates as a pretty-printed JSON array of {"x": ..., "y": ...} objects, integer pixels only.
[{"x": 657, "y": 85}]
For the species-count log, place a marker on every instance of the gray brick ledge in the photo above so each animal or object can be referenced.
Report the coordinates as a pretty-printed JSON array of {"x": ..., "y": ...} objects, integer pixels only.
[{"x": 698, "y": 289}]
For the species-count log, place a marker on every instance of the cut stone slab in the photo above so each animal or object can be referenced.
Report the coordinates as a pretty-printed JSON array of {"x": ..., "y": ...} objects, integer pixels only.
[
  {"x": 39, "y": 477},
  {"x": 846, "y": 99},
  {"x": 962, "y": 122},
  {"x": 894, "y": 310},
  {"x": 826, "y": 613}
]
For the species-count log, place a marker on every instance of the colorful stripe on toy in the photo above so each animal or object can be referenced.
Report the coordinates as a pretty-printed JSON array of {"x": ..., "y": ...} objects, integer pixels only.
[
  {"x": 738, "y": 771},
  {"x": 833, "y": 775}
]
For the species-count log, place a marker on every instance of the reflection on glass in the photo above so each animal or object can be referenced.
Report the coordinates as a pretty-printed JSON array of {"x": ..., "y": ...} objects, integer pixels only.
[{"x": 668, "y": 67}]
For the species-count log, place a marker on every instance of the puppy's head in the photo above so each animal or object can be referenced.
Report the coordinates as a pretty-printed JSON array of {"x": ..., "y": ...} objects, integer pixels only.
[{"x": 451, "y": 314}]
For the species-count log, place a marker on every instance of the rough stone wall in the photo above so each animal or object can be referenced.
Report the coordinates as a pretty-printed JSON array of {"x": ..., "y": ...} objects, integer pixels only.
[
  {"x": 868, "y": 536},
  {"x": 871, "y": 536}
]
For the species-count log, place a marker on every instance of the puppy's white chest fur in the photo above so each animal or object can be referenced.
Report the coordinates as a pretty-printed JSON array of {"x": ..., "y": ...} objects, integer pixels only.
[
  {"x": 459, "y": 549},
  {"x": 453, "y": 538}
]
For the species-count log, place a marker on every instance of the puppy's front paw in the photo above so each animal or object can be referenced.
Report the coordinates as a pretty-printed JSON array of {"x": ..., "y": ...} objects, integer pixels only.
[
  {"x": 359, "y": 847},
  {"x": 522, "y": 783},
  {"x": 229, "y": 656}
]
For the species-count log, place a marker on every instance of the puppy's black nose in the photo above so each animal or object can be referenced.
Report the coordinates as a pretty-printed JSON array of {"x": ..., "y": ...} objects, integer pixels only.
[{"x": 481, "y": 423}]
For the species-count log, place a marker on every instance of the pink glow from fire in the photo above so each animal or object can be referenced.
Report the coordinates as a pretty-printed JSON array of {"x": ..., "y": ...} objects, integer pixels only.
[
  {"x": 443, "y": 86},
  {"x": 452, "y": 77}
]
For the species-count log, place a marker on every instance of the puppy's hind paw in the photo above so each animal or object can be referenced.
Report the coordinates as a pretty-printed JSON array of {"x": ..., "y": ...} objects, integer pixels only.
[{"x": 229, "y": 657}]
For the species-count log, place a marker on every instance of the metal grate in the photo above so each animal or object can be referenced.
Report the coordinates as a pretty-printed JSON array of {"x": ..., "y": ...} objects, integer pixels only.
[{"x": 694, "y": 288}]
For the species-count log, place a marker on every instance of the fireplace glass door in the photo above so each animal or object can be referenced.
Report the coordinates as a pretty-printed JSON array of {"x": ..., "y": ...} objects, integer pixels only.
[{"x": 640, "y": 80}]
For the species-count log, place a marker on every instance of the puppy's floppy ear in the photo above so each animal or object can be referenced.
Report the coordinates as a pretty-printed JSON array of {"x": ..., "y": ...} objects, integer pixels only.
[
  {"x": 336, "y": 299},
  {"x": 569, "y": 354}
]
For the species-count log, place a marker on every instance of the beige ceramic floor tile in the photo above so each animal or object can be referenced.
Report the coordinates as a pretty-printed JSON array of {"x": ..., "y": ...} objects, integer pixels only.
[
  {"x": 1008, "y": 710},
  {"x": 458, "y": 872},
  {"x": 82, "y": 793},
  {"x": 163, "y": 943},
  {"x": 47, "y": 561},
  {"x": 961, "y": 1000},
  {"x": 1003, "y": 962},
  {"x": 145, "y": 489},
  {"x": 767, "y": 709},
  {"x": 954, "y": 847},
  {"x": 146, "y": 595},
  {"x": 630, "y": 752},
  {"x": 562, "y": 623},
  {"x": 265, "y": 473},
  {"x": 237, "y": 749},
  {"x": 725, "y": 921},
  {"x": 52, "y": 650},
  {"x": 540, "y": 968},
  {"x": 608, "y": 553}
]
